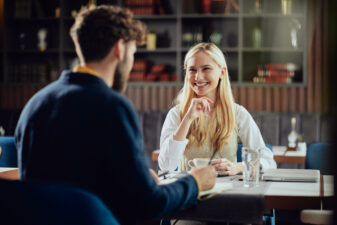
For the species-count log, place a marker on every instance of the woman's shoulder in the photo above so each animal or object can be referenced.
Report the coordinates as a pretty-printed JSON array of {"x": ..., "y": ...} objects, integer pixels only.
[
  {"x": 174, "y": 112},
  {"x": 239, "y": 109}
]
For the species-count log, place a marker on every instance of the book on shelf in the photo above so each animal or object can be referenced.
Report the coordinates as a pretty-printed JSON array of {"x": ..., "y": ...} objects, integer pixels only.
[
  {"x": 281, "y": 66},
  {"x": 16, "y": 96},
  {"x": 141, "y": 7},
  {"x": 191, "y": 6},
  {"x": 224, "y": 6},
  {"x": 206, "y": 6},
  {"x": 166, "y": 7},
  {"x": 29, "y": 72},
  {"x": 22, "y": 8},
  {"x": 275, "y": 73},
  {"x": 144, "y": 70},
  {"x": 138, "y": 71}
]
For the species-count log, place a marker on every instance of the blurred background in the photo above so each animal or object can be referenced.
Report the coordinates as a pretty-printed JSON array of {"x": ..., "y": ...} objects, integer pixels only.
[{"x": 277, "y": 53}]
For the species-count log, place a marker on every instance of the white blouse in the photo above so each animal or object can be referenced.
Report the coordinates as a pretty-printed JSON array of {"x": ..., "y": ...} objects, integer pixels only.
[{"x": 172, "y": 151}]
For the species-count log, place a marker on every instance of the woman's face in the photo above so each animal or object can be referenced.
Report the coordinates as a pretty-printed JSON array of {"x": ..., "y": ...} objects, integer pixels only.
[{"x": 203, "y": 75}]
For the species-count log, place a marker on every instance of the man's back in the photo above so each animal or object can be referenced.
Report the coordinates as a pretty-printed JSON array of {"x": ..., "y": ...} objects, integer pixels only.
[{"x": 80, "y": 132}]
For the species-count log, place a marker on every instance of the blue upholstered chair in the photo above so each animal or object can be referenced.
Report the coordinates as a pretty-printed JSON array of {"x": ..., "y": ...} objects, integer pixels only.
[
  {"x": 318, "y": 157},
  {"x": 8, "y": 157},
  {"x": 39, "y": 204}
]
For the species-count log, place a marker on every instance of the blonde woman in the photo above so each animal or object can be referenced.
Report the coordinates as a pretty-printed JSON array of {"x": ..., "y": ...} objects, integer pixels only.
[{"x": 206, "y": 118}]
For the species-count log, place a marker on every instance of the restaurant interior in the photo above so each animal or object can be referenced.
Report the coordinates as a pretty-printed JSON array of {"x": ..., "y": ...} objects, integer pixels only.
[{"x": 280, "y": 56}]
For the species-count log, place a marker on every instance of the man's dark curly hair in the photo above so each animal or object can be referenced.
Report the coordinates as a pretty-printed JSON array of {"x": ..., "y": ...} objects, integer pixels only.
[{"x": 96, "y": 30}]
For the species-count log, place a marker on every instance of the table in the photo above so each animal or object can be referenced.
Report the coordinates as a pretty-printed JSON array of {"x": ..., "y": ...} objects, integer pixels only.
[
  {"x": 247, "y": 205},
  {"x": 9, "y": 173},
  {"x": 281, "y": 155}
]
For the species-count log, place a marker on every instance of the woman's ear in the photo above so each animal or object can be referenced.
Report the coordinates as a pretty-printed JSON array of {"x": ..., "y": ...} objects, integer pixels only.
[
  {"x": 119, "y": 49},
  {"x": 223, "y": 72}
]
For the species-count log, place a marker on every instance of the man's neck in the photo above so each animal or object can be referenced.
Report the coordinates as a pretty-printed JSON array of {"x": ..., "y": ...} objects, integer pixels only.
[{"x": 105, "y": 70}]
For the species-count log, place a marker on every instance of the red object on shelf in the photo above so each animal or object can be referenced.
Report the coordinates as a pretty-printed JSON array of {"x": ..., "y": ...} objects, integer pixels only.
[
  {"x": 206, "y": 6},
  {"x": 277, "y": 79},
  {"x": 279, "y": 73},
  {"x": 281, "y": 66}
]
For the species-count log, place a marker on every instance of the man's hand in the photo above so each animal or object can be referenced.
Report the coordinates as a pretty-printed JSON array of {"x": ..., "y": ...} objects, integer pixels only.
[
  {"x": 155, "y": 176},
  {"x": 206, "y": 176}
]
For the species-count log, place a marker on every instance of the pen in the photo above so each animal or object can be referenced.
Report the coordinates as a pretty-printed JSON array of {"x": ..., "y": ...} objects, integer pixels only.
[
  {"x": 163, "y": 174},
  {"x": 210, "y": 160}
]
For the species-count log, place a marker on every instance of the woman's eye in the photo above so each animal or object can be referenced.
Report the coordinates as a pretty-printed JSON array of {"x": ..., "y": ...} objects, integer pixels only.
[
  {"x": 207, "y": 68},
  {"x": 191, "y": 70}
]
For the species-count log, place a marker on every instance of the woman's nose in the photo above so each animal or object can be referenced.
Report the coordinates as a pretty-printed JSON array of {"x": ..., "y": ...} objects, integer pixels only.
[{"x": 196, "y": 76}]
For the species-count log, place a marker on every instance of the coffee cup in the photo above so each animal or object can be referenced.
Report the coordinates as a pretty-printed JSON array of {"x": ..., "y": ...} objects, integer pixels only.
[{"x": 198, "y": 162}]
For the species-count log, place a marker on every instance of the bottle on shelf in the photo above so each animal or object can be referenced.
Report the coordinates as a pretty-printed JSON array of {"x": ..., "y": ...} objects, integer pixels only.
[
  {"x": 292, "y": 136},
  {"x": 286, "y": 6},
  {"x": 42, "y": 35},
  {"x": 256, "y": 37},
  {"x": 257, "y": 9},
  {"x": 151, "y": 40}
]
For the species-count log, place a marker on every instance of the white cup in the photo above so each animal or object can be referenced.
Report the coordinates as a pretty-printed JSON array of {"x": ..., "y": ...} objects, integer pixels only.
[
  {"x": 302, "y": 146},
  {"x": 198, "y": 162},
  {"x": 250, "y": 167}
]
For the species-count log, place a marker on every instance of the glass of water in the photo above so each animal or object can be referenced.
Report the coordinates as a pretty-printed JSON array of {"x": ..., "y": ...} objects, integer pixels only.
[{"x": 251, "y": 166}]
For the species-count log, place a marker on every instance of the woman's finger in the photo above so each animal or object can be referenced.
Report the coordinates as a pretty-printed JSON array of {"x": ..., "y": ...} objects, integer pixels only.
[
  {"x": 215, "y": 161},
  {"x": 208, "y": 99}
]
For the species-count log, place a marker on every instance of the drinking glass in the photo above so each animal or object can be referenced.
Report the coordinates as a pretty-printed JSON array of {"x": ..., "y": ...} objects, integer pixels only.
[{"x": 251, "y": 166}]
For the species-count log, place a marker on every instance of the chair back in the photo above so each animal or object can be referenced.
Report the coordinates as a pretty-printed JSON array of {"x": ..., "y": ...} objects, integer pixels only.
[
  {"x": 24, "y": 203},
  {"x": 9, "y": 155},
  {"x": 318, "y": 157},
  {"x": 238, "y": 153}
]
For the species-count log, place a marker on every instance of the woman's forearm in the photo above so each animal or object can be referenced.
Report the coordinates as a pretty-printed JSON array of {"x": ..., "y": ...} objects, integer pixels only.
[{"x": 183, "y": 128}]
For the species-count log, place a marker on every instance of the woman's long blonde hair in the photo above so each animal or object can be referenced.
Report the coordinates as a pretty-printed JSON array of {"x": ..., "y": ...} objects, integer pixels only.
[{"x": 222, "y": 122}]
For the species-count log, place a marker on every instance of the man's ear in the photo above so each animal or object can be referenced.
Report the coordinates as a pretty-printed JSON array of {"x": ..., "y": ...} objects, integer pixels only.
[{"x": 119, "y": 49}]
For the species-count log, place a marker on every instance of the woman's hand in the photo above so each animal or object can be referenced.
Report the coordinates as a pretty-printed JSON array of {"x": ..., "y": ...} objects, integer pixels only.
[
  {"x": 226, "y": 167},
  {"x": 196, "y": 108},
  {"x": 199, "y": 106}
]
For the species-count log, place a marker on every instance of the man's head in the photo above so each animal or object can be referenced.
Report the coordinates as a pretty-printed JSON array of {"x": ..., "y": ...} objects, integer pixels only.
[{"x": 96, "y": 31}]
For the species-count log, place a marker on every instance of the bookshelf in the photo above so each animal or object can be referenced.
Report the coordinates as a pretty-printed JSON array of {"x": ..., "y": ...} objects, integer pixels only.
[{"x": 254, "y": 35}]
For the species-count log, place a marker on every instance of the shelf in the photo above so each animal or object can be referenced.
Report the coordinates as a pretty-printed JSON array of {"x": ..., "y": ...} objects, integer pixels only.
[
  {"x": 68, "y": 18},
  {"x": 144, "y": 83},
  {"x": 208, "y": 16},
  {"x": 33, "y": 20},
  {"x": 247, "y": 49},
  {"x": 20, "y": 84},
  {"x": 269, "y": 15},
  {"x": 156, "y": 17},
  {"x": 251, "y": 84},
  {"x": 69, "y": 50},
  {"x": 224, "y": 49},
  {"x": 157, "y": 50},
  {"x": 33, "y": 51},
  {"x": 235, "y": 40}
]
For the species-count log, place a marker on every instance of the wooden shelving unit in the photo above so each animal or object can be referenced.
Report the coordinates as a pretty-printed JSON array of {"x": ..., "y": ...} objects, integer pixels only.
[{"x": 235, "y": 28}]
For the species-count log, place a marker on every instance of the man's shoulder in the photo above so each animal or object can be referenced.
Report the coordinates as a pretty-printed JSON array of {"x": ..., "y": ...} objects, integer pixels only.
[{"x": 116, "y": 100}]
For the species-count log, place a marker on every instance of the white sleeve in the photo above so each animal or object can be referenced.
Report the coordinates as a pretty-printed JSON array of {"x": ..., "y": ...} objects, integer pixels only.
[
  {"x": 171, "y": 151},
  {"x": 251, "y": 137}
]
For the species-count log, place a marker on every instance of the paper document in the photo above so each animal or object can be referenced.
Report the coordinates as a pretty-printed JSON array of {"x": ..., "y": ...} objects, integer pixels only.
[{"x": 218, "y": 188}]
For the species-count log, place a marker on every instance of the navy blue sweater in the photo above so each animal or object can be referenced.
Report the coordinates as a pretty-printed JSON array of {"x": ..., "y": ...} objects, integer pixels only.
[{"x": 78, "y": 131}]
